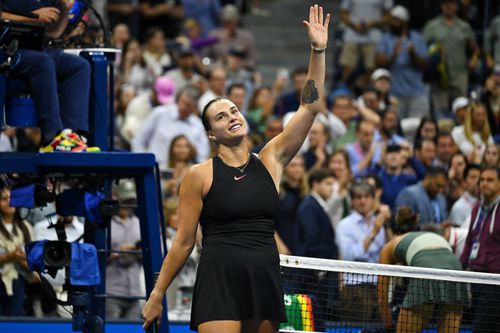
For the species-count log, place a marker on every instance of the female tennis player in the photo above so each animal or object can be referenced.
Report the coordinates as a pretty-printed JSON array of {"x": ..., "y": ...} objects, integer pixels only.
[
  {"x": 421, "y": 249},
  {"x": 234, "y": 197}
]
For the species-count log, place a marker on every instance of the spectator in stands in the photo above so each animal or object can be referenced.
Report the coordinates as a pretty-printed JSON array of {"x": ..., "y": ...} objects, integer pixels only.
[
  {"x": 452, "y": 37},
  {"x": 123, "y": 270},
  {"x": 393, "y": 179},
  {"x": 133, "y": 68},
  {"x": 388, "y": 132},
  {"x": 381, "y": 81},
  {"x": 445, "y": 149},
  {"x": 181, "y": 156},
  {"x": 162, "y": 93},
  {"x": 290, "y": 101},
  {"x": 293, "y": 190},
  {"x": 344, "y": 108},
  {"x": 119, "y": 36},
  {"x": 238, "y": 74},
  {"x": 73, "y": 230},
  {"x": 491, "y": 155},
  {"x": 427, "y": 130},
  {"x": 206, "y": 13},
  {"x": 216, "y": 82},
  {"x": 456, "y": 185},
  {"x": 492, "y": 43},
  {"x": 473, "y": 136},
  {"x": 158, "y": 13},
  {"x": 462, "y": 208},
  {"x": 237, "y": 92},
  {"x": 261, "y": 106},
  {"x": 192, "y": 35},
  {"x": 371, "y": 98},
  {"x": 231, "y": 35},
  {"x": 14, "y": 234},
  {"x": 404, "y": 53},
  {"x": 274, "y": 126},
  {"x": 317, "y": 239},
  {"x": 123, "y": 15},
  {"x": 360, "y": 237},
  {"x": 423, "y": 158},
  {"x": 155, "y": 53},
  {"x": 421, "y": 249},
  {"x": 363, "y": 153},
  {"x": 459, "y": 107},
  {"x": 316, "y": 234},
  {"x": 374, "y": 181},
  {"x": 425, "y": 198},
  {"x": 491, "y": 100},
  {"x": 482, "y": 250},
  {"x": 166, "y": 122},
  {"x": 59, "y": 83},
  {"x": 364, "y": 20},
  {"x": 340, "y": 201},
  {"x": 317, "y": 153},
  {"x": 184, "y": 74},
  {"x": 458, "y": 164}
]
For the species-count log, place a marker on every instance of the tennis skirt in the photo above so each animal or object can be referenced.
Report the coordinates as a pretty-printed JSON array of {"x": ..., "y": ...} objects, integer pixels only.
[
  {"x": 239, "y": 285},
  {"x": 425, "y": 291}
]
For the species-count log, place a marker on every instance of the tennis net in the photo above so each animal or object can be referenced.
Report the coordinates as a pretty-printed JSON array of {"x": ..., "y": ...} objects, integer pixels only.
[{"x": 342, "y": 296}]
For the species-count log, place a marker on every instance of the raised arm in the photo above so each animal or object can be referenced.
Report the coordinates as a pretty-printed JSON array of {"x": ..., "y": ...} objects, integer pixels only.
[{"x": 283, "y": 147}]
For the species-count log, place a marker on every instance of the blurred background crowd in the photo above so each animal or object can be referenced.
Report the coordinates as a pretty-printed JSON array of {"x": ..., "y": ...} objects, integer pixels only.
[{"x": 412, "y": 114}]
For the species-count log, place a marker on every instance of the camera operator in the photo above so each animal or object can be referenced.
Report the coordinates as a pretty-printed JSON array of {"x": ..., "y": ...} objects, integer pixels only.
[{"x": 63, "y": 118}]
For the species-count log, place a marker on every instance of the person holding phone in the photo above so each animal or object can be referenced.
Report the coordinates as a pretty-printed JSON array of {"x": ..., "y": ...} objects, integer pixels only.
[{"x": 235, "y": 198}]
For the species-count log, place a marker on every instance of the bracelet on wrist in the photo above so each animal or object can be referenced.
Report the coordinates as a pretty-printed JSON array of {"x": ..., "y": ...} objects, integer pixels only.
[{"x": 318, "y": 49}]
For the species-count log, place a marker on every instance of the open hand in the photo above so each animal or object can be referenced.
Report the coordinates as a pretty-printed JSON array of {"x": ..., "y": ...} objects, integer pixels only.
[{"x": 317, "y": 28}]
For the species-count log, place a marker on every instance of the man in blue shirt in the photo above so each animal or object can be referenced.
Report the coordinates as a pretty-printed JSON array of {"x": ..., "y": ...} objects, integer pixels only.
[
  {"x": 59, "y": 83},
  {"x": 360, "y": 237},
  {"x": 426, "y": 198},
  {"x": 392, "y": 177},
  {"x": 404, "y": 53}
]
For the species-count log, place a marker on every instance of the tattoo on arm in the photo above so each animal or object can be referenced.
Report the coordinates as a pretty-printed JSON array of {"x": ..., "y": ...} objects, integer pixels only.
[{"x": 310, "y": 93}]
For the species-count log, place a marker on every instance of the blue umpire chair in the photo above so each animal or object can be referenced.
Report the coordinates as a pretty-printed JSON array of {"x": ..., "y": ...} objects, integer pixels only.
[{"x": 104, "y": 167}]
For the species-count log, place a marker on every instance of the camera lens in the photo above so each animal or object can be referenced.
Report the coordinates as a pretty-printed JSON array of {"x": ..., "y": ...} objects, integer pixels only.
[{"x": 57, "y": 254}]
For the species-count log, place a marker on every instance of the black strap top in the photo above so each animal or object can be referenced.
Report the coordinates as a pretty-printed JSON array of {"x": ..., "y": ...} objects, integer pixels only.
[{"x": 240, "y": 208}]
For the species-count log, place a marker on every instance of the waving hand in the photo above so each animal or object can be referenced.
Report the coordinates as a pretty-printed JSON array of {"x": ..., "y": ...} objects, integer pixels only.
[{"x": 317, "y": 27}]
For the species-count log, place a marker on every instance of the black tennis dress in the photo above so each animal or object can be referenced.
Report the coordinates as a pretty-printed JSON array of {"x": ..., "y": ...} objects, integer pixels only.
[{"x": 239, "y": 276}]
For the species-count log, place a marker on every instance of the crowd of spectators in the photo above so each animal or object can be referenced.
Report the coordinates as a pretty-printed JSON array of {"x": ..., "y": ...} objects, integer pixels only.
[{"x": 407, "y": 123}]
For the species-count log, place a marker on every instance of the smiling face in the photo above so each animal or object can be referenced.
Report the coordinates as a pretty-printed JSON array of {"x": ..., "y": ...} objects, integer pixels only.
[{"x": 227, "y": 124}]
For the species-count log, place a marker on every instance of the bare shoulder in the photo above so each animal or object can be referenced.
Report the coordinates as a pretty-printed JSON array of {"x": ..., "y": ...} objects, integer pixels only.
[
  {"x": 387, "y": 253},
  {"x": 199, "y": 176},
  {"x": 272, "y": 165}
]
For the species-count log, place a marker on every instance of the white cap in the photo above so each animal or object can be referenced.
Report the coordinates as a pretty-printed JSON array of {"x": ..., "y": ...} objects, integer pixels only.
[
  {"x": 380, "y": 73},
  {"x": 401, "y": 13},
  {"x": 458, "y": 103}
]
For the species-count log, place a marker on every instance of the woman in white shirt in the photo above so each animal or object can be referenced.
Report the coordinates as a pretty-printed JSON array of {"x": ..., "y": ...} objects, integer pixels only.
[
  {"x": 14, "y": 234},
  {"x": 473, "y": 136}
]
